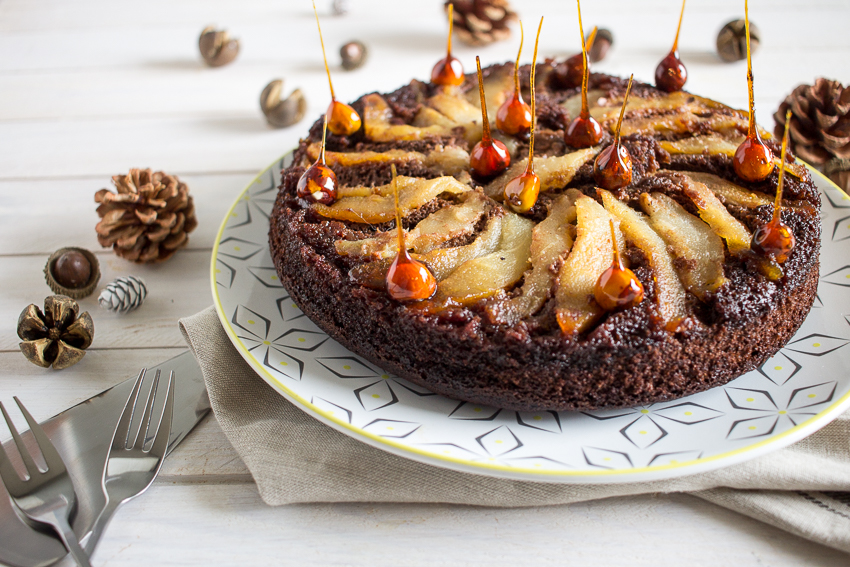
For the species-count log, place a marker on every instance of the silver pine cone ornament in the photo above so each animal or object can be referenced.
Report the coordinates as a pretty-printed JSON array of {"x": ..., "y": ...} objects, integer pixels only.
[{"x": 123, "y": 295}]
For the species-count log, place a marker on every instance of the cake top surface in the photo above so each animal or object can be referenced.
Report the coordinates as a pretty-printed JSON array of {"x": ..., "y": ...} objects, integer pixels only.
[{"x": 684, "y": 224}]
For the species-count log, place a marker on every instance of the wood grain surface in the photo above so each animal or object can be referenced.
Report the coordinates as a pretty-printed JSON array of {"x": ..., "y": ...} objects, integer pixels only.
[{"x": 90, "y": 88}]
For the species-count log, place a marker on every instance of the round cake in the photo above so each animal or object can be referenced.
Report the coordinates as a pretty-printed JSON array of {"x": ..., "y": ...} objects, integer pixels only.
[{"x": 514, "y": 322}]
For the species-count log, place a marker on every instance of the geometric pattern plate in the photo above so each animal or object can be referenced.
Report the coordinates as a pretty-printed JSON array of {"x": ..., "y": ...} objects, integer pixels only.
[{"x": 793, "y": 394}]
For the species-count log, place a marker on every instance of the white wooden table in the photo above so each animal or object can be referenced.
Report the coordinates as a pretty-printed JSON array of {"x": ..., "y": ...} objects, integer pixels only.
[{"x": 91, "y": 88}]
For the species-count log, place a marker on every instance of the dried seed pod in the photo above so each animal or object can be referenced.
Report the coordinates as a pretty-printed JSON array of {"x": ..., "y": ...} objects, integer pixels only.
[
  {"x": 58, "y": 336},
  {"x": 123, "y": 294},
  {"x": 279, "y": 112},
  {"x": 353, "y": 55},
  {"x": 73, "y": 272},
  {"x": 732, "y": 40},
  {"x": 217, "y": 48}
]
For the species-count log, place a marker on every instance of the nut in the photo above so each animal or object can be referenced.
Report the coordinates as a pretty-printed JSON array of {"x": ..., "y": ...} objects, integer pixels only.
[
  {"x": 732, "y": 40},
  {"x": 604, "y": 40},
  {"x": 216, "y": 47},
  {"x": 353, "y": 55},
  {"x": 281, "y": 113},
  {"x": 73, "y": 272}
]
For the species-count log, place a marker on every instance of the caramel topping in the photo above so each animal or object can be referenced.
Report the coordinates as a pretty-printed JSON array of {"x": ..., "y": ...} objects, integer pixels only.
[
  {"x": 448, "y": 71},
  {"x": 318, "y": 183},
  {"x": 489, "y": 157},
  {"x": 775, "y": 239},
  {"x": 753, "y": 160},
  {"x": 514, "y": 116},
  {"x": 584, "y": 131},
  {"x": 618, "y": 287},
  {"x": 407, "y": 279},
  {"x": 613, "y": 166},
  {"x": 341, "y": 118},
  {"x": 521, "y": 192},
  {"x": 671, "y": 74}
]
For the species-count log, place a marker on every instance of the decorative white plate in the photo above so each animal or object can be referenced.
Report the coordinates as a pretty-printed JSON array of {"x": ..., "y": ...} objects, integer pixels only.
[{"x": 793, "y": 394}]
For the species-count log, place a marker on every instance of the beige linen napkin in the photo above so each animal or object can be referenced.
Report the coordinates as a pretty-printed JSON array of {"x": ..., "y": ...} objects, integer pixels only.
[{"x": 804, "y": 489}]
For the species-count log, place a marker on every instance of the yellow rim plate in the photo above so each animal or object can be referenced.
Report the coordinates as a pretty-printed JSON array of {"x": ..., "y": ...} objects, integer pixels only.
[{"x": 792, "y": 395}]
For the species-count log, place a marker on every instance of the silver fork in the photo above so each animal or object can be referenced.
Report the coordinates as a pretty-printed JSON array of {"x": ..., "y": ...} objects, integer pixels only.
[
  {"x": 130, "y": 470},
  {"x": 45, "y": 497}
]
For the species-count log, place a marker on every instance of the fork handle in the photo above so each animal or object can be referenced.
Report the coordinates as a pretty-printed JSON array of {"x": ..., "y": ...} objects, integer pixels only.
[
  {"x": 100, "y": 524},
  {"x": 57, "y": 519}
]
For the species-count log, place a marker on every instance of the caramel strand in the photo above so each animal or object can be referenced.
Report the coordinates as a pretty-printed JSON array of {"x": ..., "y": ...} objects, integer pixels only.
[
  {"x": 519, "y": 53},
  {"x": 322, "y": 41},
  {"x": 451, "y": 27},
  {"x": 585, "y": 111},
  {"x": 401, "y": 247},
  {"x": 679, "y": 28},
  {"x": 485, "y": 121},
  {"x": 623, "y": 111},
  {"x": 752, "y": 129},
  {"x": 777, "y": 205},
  {"x": 533, "y": 107}
]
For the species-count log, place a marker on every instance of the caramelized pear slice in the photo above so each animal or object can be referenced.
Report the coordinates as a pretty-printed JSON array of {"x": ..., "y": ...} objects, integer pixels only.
[
  {"x": 450, "y": 160},
  {"x": 550, "y": 240},
  {"x": 434, "y": 230},
  {"x": 727, "y": 144},
  {"x": 730, "y": 192},
  {"x": 712, "y": 211},
  {"x": 591, "y": 254},
  {"x": 379, "y": 207},
  {"x": 488, "y": 274},
  {"x": 554, "y": 172},
  {"x": 378, "y": 127},
  {"x": 675, "y": 102},
  {"x": 573, "y": 103},
  {"x": 698, "y": 252},
  {"x": 498, "y": 85},
  {"x": 682, "y": 123},
  {"x": 669, "y": 292},
  {"x": 442, "y": 261}
]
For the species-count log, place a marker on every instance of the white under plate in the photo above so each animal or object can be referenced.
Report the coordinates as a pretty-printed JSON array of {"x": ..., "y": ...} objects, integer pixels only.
[{"x": 793, "y": 394}]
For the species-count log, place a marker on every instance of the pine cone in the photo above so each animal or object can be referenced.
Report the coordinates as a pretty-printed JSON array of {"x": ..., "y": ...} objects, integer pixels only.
[
  {"x": 56, "y": 337},
  {"x": 820, "y": 121},
  {"x": 123, "y": 294},
  {"x": 479, "y": 22},
  {"x": 148, "y": 219}
]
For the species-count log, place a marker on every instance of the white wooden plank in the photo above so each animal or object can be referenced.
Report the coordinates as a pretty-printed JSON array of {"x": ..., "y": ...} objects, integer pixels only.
[
  {"x": 38, "y": 217},
  {"x": 20, "y": 15},
  {"x": 229, "y": 525},
  {"x": 176, "y": 289}
]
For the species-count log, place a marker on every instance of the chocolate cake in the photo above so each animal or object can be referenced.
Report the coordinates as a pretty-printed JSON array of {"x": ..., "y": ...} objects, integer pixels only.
[{"x": 513, "y": 323}]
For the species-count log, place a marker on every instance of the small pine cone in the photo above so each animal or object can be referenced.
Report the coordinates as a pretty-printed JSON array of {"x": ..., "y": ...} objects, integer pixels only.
[
  {"x": 123, "y": 295},
  {"x": 149, "y": 217},
  {"x": 479, "y": 22},
  {"x": 820, "y": 121}
]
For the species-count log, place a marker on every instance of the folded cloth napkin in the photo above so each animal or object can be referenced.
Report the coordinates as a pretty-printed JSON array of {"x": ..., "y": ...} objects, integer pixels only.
[{"x": 804, "y": 488}]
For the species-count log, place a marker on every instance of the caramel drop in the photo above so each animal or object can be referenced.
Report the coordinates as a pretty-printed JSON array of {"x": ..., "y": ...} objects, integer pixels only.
[
  {"x": 618, "y": 287},
  {"x": 343, "y": 120},
  {"x": 409, "y": 280},
  {"x": 521, "y": 192},
  {"x": 613, "y": 167},
  {"x": 318, "y": 184}
]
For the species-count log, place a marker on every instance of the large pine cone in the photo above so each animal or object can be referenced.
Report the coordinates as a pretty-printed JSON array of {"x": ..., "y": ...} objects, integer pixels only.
[
  {"x": 149, "y": 217},
  {"x": 820, "y": 123},
  {"x": 479, "y": 22}
]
